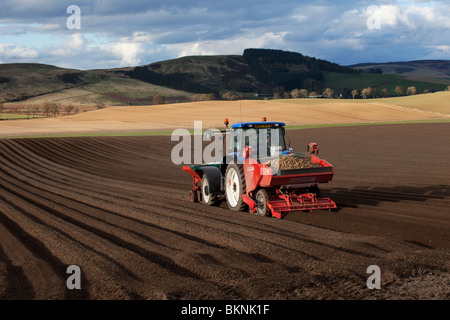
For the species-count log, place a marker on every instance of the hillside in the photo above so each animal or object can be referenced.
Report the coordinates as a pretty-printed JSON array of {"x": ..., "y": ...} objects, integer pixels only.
[
  {"x": 268, "y": 71},
  {"x": 201, "y": 74},
  {"x": 19, "y": 81},
  {"x": 437, "y": 71},
  {"x": 36, "y": 84},
  {"x": 344, "y": 83},
  {"x": 256, "y": 71}
]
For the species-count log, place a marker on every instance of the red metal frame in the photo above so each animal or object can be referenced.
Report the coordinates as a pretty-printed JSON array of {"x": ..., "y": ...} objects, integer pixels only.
[
  {"x": 258, "y": 175},
  {"x": 282, "y": 204},
  {"x": 196, "y": 180},
  {"x": 293, "y": 196}
]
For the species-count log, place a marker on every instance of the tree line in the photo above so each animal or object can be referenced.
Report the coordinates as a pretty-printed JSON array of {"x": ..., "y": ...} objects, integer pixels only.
[
  {"x": 278, "y": 68},
  {"x": 178, "y": 81}
]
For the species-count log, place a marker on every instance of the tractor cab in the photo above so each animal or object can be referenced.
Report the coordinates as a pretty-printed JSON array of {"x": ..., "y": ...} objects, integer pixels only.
[{"x": 266, "y": 139}]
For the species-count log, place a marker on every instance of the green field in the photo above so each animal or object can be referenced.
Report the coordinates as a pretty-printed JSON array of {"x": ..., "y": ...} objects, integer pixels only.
[
  {"x": 341, "y": 81},
  {"x": 15, "y": 116}
]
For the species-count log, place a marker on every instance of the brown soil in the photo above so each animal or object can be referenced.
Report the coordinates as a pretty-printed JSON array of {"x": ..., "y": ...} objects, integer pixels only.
[{"x": 117, "y": 208}]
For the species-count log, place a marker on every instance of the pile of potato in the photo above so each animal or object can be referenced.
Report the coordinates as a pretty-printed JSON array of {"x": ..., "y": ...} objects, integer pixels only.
[{"x": 292, "y": 163}]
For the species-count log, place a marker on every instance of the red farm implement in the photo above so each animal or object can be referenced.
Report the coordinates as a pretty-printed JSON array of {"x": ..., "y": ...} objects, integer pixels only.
[{"x": 248, "y": 181}]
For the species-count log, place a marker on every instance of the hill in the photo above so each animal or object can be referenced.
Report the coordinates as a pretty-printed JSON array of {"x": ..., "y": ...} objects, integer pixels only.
[
  {"x": 201, "y": 74},
  {"x": 19, "y": 81},
  {"x": 35, "y": 84},
  {"x": 268, "y": 71},
  {"x": 256, "y": 71},
  {"x": 436, "y": 71}
]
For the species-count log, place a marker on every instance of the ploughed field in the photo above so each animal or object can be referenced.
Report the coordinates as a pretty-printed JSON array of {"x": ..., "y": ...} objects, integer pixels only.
[{"x": 118, "y": 208}]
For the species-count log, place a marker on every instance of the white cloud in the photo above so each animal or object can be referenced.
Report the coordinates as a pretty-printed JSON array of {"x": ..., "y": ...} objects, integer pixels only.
[
  {"x": 116, "y": 33},
  {"x": 444, "y": 49},
  {"x": 70, "y": 46},
  {"x": 127, "y": 52},
  {"x": 11, "y": 51},
  {"x": 234, "y": 45}
]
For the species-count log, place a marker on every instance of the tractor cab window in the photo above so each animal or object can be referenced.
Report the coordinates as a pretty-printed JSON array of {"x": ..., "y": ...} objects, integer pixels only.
[{"x": 267, "y": 141}]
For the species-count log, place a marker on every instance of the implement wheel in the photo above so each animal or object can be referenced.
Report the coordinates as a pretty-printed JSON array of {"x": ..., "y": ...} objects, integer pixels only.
[
  {"x": 261, "y": 203},
  {"x": 208, "y": 198},
  {"x": 193, "y": 196},
  {"x": 235, "y": 187}
]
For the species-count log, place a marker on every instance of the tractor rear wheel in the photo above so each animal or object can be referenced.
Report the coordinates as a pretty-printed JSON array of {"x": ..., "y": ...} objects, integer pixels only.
[
  {"x": 208, "y": 198},
  {"x": 261, "y": 203},
  {"x": 235, "y": 187}
]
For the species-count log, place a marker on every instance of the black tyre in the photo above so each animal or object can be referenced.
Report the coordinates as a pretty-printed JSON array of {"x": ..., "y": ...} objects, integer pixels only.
[
  {"x": 208, "y": 198},
  {"x": 235, "y": 187},
  {"x": 261, "y": 203},
  {"x": 193, "y": 196}
]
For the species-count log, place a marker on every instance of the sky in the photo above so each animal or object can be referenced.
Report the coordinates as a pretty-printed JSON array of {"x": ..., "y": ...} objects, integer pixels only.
[{"x": 98, "y": 34}]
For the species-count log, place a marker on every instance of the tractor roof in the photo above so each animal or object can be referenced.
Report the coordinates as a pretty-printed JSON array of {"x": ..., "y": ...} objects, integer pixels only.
[{"x": 263, "y": 124}]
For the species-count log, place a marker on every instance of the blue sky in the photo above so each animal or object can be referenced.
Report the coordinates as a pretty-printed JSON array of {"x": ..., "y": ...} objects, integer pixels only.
[{"x": 117, "y": 33}]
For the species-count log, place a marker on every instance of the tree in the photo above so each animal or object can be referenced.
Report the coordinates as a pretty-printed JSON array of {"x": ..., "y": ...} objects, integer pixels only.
[
  {"x": 374, "y": 92},
  {"x": 295, "y": 94},
  {"x": 411, "y": 91},
  {"x": 159, "y": 99},
  {"x": 46, "y": 109},
  {"x": 54, "y": 110},
  {"x": 448, "y": 88},
  {"x": 366, "y": 92},
  {"x": 230, "y": 96},
  {"x": 303, "y": 93},
  {"x": 384, "y": 91},
  {"x": 276, "y": 95},
  {"x": 69, "y": 108},
  {"x": 355, "y": 92},
  {"x": 399, "y": 90},
  {"x": 328, "y": 92}
]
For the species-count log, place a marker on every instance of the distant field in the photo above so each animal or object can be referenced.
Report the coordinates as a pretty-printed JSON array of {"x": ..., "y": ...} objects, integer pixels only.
[
  {"x": 438, "y": 102},
  {"x": 167, "y": 117},
  {"x": 433, "y": 102},
  {"x": 437, "y": 71},
  {"x": 389, "y": 81}
]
